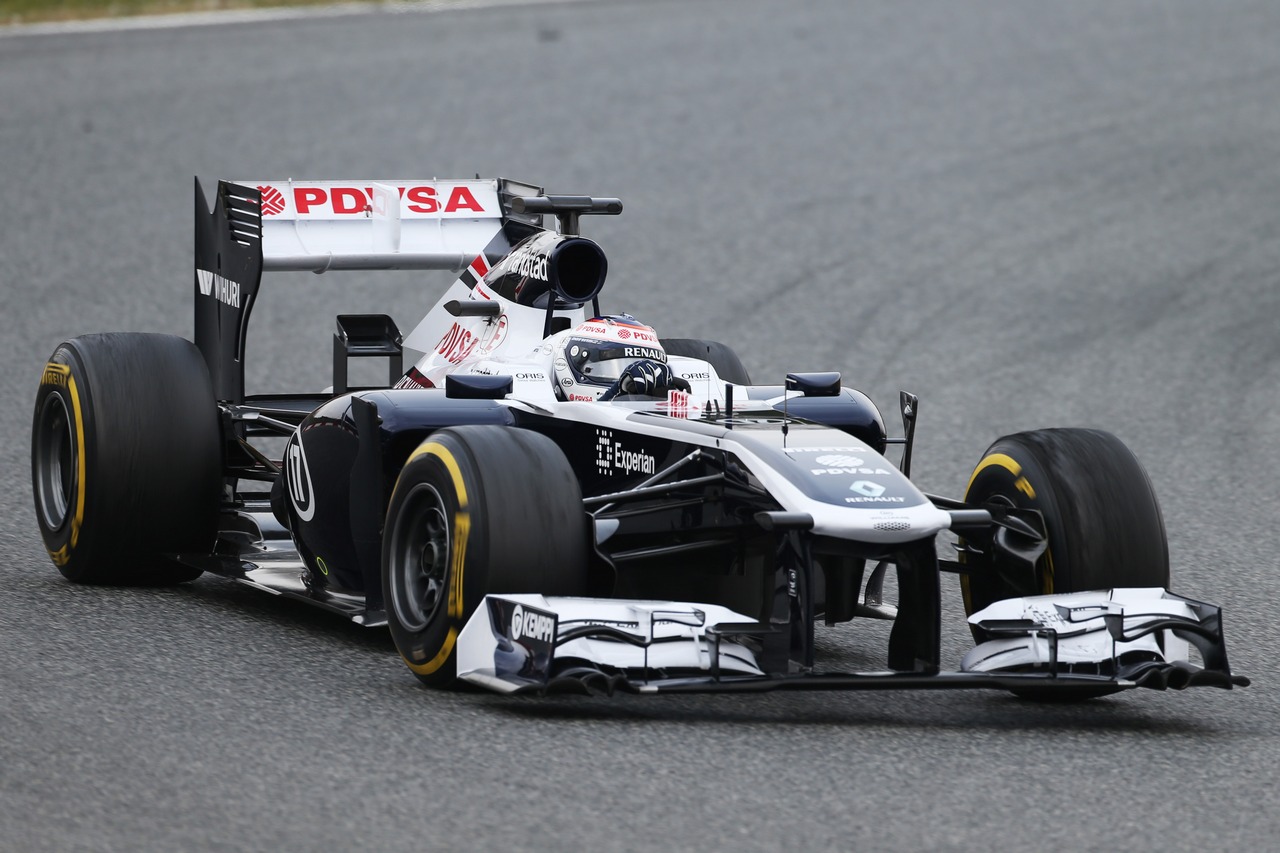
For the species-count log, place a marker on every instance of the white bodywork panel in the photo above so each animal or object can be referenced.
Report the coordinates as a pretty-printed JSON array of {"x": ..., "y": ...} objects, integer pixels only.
[
  {"x": 361, "y": 224},
  {"x": 509, "y": 344},
  {"x": 676, "y": 633},
  {"x": 1078, "y": 619}
]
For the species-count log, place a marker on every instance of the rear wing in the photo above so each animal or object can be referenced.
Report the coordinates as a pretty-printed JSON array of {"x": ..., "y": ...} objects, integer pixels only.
[{"x": 317, "y": 226}]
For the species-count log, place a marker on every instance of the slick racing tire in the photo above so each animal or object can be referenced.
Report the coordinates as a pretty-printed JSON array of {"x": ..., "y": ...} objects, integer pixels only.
[
  {"x": 126, "y": 458},
  {"x": 725, "y": 361},
  {"x": 476, "y": 510},
  {"x": 1103, "y": 521}
]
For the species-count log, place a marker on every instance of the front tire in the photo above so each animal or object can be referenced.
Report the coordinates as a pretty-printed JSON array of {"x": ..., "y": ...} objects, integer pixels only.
[
  {"x": 476, "y": 510},
  {"x": 126, "y": 458},
  {"x": 1104, "y": 525}
]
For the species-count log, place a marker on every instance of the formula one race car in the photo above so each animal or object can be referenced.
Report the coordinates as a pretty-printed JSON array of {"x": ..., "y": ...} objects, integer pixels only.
[{"x": 557, "y": 499}]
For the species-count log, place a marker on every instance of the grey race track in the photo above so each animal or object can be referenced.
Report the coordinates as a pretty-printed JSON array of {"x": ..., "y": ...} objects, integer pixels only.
[{"x": 1029, "y": 214}]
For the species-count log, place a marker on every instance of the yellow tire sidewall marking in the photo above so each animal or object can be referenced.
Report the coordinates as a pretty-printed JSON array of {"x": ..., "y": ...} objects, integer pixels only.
[
  {"x": 461, "y": 533},
  {"x": 446, "y": 649},
  {"x": 1022, "y": 484},
  {"x": 78, "y": 520},
  {"x": 1009, "y": 464},
  {"x": 59, "y": 375}
]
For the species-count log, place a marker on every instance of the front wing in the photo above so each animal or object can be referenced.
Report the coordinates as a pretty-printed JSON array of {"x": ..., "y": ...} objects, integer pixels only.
[{"x": 1099, "y": 641}]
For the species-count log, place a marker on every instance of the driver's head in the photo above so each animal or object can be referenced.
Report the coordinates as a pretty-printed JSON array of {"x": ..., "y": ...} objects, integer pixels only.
[{"x": 590, "y": 358}]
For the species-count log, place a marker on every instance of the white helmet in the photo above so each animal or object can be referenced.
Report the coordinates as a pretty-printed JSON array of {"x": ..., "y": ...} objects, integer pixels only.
[{"x": 591, "y": 358}]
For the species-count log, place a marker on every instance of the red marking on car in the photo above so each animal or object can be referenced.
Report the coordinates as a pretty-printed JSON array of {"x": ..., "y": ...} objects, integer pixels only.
[
  {"x": 272, "y": 200},
  {"x": 678, "y": 403},
  {"x": 457, "y": 344},
  {"x": 347, "y": 201},
  {"x": 414, "y": 379}
]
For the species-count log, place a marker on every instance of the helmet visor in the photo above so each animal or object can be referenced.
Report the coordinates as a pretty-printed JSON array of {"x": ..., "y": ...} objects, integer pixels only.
[{"x": 602, "y": 362}]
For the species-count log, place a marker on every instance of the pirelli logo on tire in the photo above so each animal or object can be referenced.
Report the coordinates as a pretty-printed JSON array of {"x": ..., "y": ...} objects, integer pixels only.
[{"x": 58, "y": 375}]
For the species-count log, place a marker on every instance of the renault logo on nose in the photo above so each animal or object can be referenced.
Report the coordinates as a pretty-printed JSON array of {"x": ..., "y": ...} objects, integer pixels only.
[{"x": 867, "y": 488}]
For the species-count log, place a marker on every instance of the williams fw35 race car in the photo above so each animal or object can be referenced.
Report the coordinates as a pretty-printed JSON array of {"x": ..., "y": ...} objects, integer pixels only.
[{"x": 557, "y": 499}]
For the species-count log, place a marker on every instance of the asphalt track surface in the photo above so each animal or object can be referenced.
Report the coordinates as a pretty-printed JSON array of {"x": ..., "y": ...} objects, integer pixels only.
[{"x": 1029, "y": 214}]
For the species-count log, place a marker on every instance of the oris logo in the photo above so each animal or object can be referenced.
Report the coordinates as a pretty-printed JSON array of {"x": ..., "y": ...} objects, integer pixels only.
[
  {"x": 272, "y": 201},
  {"x": 532, "y": 624}
]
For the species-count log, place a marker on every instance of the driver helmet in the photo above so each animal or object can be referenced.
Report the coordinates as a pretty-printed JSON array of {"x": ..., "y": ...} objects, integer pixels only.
[{"x": 590, "y": 358}]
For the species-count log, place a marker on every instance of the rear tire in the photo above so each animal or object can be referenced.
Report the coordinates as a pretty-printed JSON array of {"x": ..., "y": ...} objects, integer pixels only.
[
  {"x": 1104, "y": 525},
  {"x": 126, "y": 458},
  {"x": 725, "y": 361},
  {"x": 476, "y": 510}
]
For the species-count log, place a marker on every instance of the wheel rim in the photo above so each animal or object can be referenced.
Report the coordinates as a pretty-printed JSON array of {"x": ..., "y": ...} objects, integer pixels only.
[
  {"x": 55, "y": 462},
  {"x": 420, "y": 554}
]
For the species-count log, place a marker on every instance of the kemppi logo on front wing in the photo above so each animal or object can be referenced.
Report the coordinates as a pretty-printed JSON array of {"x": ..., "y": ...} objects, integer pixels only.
[{"x": 532, "y": 624}]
